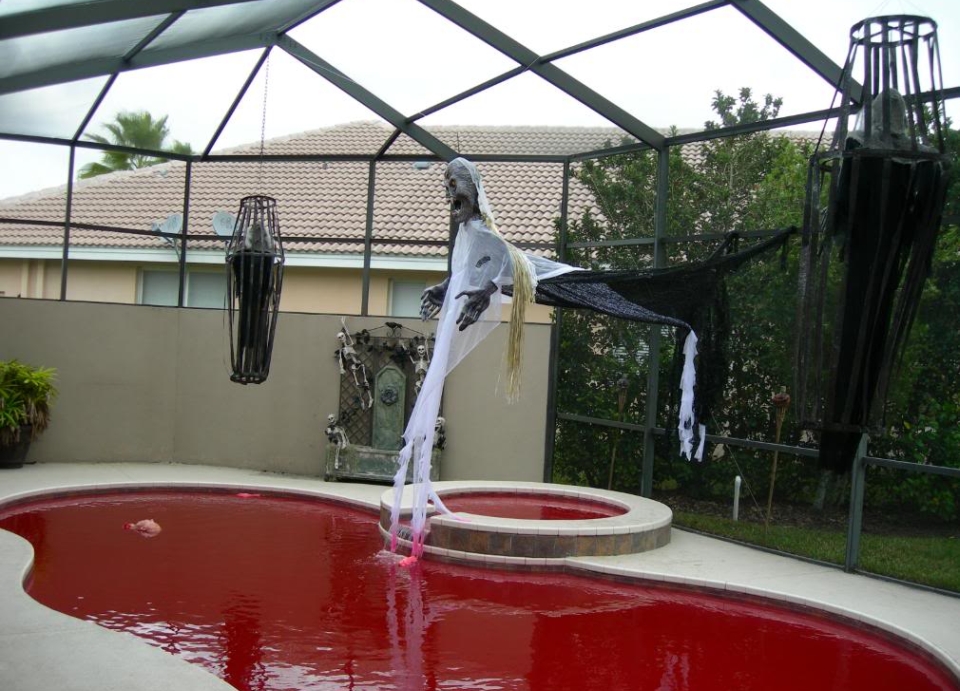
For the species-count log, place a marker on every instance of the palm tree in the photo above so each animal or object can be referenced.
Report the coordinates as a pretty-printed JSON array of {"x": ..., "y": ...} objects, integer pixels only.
[{"x": 137, "y": 130}]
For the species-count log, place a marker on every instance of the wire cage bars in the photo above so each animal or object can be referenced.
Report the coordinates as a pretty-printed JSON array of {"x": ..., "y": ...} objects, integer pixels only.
[{"x": 254, "y": 279}]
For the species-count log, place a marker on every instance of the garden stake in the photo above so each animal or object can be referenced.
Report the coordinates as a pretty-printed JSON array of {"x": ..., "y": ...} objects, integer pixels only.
[
  {"x": 781, "y": 401},
  {"x": 622, "y": 383}
]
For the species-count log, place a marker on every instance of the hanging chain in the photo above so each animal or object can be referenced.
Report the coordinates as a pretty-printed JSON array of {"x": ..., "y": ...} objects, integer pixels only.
[{"x": 263, "y": 121}]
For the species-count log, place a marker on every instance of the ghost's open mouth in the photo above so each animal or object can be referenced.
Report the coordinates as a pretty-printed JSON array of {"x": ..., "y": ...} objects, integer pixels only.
[{"x": 456, "y": 205}]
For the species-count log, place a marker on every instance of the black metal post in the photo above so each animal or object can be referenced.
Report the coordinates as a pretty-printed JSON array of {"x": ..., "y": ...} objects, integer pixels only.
[
  {"x": 653, "y": 357},
  {"x": 66, "y": 226},
  {"x": 368, "y": 240},
  {"x": 550, "y": 433},
  {"x": 183, "y": 234}
]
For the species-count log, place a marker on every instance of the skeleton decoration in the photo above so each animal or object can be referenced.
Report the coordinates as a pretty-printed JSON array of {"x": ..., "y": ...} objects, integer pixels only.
[
  {"x": 366, "y": 392},
  {"x": 346, "y": 353},
  {"x": 884, "y": 180},
  {"x": 421, "y": 364},
  {"x": 337, "y": 436},
  {"x": 349, "y": 361},
  {"x": 440, "y": 438},
  {"x": 254, "y": 259}
]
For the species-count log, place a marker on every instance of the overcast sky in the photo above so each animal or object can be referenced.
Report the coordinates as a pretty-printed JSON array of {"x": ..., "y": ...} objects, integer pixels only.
[{"x": 411, "y": 58}]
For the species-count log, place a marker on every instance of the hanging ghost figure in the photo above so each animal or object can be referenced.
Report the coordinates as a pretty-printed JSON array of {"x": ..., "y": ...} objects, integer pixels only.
[{"x": 484, "y": 265}]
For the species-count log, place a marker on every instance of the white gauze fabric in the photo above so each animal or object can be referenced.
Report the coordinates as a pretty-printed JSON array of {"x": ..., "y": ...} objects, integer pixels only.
[
  {"x": 480, "y": 255},
  {"x": 688, "y": 380}
]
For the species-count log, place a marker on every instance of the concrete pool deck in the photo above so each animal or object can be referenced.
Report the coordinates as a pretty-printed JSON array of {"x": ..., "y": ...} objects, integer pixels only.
[{"x": 41, "y": 649}]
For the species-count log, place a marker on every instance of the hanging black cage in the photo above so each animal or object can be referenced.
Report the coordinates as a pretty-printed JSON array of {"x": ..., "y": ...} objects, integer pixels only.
[
  {"x": 874, "y": 202},
  {"x": 254, "y": 279}
]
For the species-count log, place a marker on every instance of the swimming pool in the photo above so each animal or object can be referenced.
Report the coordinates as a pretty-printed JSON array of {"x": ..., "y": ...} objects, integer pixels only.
[{"x": 284, "y": 592}]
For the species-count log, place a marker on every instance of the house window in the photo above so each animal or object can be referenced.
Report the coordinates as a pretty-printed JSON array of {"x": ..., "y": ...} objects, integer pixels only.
[
  {"x": 204, "y": 288},
  {"x": 159, "y": 288},
  {"x": 405, "y": 298}
]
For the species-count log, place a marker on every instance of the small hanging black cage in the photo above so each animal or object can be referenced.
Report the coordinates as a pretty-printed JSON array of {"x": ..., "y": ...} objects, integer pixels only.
[
  {"x": 874, "y": 202},
  {"x": 254, "y": 279}
]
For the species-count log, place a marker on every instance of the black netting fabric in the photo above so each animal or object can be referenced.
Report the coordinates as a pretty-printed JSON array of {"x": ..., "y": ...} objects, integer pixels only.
[
  {"x": 600, "y": 296},
  {"x": 691, "y": 295}
]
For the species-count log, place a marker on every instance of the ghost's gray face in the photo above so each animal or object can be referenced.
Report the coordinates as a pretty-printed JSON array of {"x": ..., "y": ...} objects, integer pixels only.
[{"x": 461, "y": 192}]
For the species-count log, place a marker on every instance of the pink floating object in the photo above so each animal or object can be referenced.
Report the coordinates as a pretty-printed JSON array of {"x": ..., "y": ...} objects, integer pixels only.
[
  {"x": 407, "y": 562},
  {"x": 146, "y": 527},
  {"x": 247, "y": 495}
]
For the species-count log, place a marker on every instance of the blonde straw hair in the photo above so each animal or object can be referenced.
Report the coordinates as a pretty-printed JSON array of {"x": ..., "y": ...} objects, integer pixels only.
[{"x": 524, "y": 291}]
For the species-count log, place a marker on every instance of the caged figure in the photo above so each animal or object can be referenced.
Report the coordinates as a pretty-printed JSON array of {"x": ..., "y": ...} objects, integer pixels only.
[{"x": 255, "y": 262}]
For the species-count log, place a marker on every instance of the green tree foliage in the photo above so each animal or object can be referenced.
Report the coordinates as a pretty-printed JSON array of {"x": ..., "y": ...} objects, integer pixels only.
[
  {"x": 744, "y": 183},
  {"x": 734, "y": 168},
  {"x": 136, "y": 130},
  {"x": 750, "y": 182},
  {"x": 597, "y": 352}
]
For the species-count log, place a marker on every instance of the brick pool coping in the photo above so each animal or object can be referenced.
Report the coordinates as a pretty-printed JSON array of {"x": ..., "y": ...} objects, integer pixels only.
[{"x": 643, "y": 525}]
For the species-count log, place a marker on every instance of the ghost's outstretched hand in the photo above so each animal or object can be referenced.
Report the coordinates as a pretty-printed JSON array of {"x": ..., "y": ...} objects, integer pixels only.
[
  {"x": 432, "y": 299},
  {"x": 478, "y": 300}
]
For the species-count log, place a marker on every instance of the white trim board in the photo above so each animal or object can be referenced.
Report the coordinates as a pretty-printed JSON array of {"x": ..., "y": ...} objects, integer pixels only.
[{"x": 168, "y": 256}]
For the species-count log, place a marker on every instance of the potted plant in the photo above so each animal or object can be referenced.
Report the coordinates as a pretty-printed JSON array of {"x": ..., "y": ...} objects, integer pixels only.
[{"x": 25, "y": 396}]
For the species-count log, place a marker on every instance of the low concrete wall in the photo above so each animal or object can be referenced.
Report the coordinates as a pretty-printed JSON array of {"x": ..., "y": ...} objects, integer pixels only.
[{"x": 152, "y": 384}]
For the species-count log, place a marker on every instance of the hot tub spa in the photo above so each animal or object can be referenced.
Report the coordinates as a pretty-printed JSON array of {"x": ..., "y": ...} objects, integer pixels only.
[
  {"x": 535, "y": 524},
  {"x": 285, "y": 592}
]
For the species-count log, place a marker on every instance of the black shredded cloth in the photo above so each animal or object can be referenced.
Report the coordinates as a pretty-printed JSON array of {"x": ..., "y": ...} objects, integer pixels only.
[
  {"x": 686, "y": 296},
  {"x": 888, "y": 213}
]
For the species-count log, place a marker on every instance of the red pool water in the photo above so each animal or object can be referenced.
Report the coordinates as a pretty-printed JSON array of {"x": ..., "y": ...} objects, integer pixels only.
[
  {"x": 284, "y": 593},
  {"x": 544, "y": 507}
]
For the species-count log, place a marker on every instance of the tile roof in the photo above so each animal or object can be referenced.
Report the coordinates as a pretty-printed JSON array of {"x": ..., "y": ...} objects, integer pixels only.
[{"x": 325, "y": 202}]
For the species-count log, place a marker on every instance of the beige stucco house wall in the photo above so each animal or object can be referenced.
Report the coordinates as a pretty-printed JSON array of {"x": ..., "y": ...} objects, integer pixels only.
[
  {"x": 305, "y": 289},
  {"x": 317, "y": 290},
  {"x": 29, "y": 278}
]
